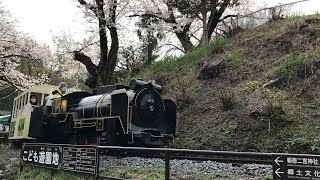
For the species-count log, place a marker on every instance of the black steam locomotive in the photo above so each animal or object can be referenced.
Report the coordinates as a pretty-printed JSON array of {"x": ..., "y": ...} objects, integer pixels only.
[{"x": 110, "y": 115}]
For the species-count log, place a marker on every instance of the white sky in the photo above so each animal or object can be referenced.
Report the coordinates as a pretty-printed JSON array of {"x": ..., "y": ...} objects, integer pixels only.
[{"x": 40, "y": 17}]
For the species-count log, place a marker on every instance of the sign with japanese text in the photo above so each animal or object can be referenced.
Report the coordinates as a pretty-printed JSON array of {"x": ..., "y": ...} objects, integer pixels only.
[
  {"x": 296, "y": 167},
  {"x": 41, "y": 155},
  {"x": 80, "y": 159}
]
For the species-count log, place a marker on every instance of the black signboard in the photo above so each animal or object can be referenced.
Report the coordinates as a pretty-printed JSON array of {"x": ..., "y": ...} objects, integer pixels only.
[
  {"x": 83, "y": 159},
  {"x": 41, "y": 155},
  {"x": 80, "y": 159},
  {"x": 296, "y": 167}
]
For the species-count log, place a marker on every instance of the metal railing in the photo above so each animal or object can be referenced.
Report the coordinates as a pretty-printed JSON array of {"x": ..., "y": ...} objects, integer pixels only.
[
  {"x": 172, "y": 154},
  {"x": 199, "y": 155}
]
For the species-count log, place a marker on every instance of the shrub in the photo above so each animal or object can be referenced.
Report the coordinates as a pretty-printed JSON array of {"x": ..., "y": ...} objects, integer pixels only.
[
  {"x": 250, "y": 85},
  {"x": 273, "y": 107},
  {"x": 292, "y": 66},
  {"x": 227, "y": 99}
]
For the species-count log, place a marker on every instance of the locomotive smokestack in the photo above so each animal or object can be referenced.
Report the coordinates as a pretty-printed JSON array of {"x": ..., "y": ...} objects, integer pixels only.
[{"x": 136, "y": 84}]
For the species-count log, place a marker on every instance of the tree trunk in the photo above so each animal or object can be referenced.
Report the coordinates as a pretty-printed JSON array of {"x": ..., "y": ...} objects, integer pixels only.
[
  {"x": 215, "y": 17},
  {"x": 108, "y": 59},
  {"x": 205, "y": 38},
  {"x": 92, "y": 79},
  {"x": 183, "y": 35},
  {"x": 113, "y": 56},
  {"x": 149, "y": 48},
  {"x": 185, "y": 39}
]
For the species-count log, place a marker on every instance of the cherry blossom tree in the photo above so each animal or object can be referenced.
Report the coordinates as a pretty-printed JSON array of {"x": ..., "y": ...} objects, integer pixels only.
[
  {"x": 104, "y": 13},
  {"x": 186, "y": 18},
  {"x": 14, "y": 46}
]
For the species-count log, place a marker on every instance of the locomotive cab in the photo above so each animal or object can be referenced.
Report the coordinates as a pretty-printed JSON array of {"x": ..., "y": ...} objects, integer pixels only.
[{"x": 22, "y": 125}]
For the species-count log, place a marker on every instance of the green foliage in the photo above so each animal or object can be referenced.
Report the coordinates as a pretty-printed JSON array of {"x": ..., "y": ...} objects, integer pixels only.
[
  {"x": 273, "y": 106},
  {"x": 315, "y": 145},
  {"x": 295, "y": 140},
  {"x": 225, "y": 131},
  {"x": 227, "y": 99},
  {"x": 314, "y": 148},
  {"x": 238, "y": 58},
  {"x": 62, "y": 175},
  {"x": 195, "y": 56},
  {"x": 219, "y": 134},
  {"x": 213, "y": 137},
  {"x": 196, "y": 88},
  {"x": 35, "y": 173},
  {"x": 292, "y": 66},
  {"x": 250, "y": 85},
  {"x": 204, "y": 50}
]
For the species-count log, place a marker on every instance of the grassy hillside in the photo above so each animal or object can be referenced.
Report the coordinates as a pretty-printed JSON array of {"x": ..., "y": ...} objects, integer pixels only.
[{"x": 235, "y": 111}]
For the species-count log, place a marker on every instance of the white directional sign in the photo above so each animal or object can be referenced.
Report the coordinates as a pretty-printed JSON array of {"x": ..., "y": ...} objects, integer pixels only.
[{"x": 296, "y": 167}]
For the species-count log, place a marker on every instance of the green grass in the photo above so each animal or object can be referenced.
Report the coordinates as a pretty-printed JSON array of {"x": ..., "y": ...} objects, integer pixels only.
[
  {"x": 174, "y": 63},
  {"x": 37, "y": 173},
  {"x": 30, "y": 172},
  {"x": 250, "y": 85},
  {"x": 292, "y": 66}
]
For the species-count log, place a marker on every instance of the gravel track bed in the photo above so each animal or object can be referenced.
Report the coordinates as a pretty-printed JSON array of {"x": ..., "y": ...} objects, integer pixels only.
[{"x": 188, "y": 165}]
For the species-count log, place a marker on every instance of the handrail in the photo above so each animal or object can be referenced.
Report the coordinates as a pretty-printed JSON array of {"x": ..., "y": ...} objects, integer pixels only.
[{"x": 169, "y": 154}]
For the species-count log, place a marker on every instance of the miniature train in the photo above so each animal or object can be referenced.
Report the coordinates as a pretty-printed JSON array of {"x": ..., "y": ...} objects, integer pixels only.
[{"x": 111, "y": 115}]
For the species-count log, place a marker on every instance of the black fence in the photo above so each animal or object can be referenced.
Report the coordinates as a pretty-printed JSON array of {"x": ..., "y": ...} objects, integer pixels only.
[{"x": 85, "y": 159}]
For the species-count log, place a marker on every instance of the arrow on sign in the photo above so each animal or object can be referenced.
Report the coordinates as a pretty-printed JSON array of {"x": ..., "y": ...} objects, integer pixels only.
[
  {"x": 278, "y": 172},
  {"x": 278, "y": 161}
]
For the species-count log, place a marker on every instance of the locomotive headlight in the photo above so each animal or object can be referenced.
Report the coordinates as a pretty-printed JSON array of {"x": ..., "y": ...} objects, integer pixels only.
[{"x": 64, "y": 105}]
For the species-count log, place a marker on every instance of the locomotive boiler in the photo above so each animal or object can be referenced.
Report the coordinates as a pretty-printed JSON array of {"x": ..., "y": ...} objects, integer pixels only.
[{"x": 111, "y": 115}]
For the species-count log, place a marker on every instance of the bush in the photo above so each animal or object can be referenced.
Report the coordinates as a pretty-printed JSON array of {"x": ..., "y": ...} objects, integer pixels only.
[
  {"x": 273, "y": 107},
  {"x": 292, "y": 67},
  {"x": 250, "y": 85},
  {"x": 227, "y": 99}
]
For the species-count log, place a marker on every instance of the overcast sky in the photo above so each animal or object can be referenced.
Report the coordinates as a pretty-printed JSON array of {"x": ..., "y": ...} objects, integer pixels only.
[{"x": 40, "y": 17}]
